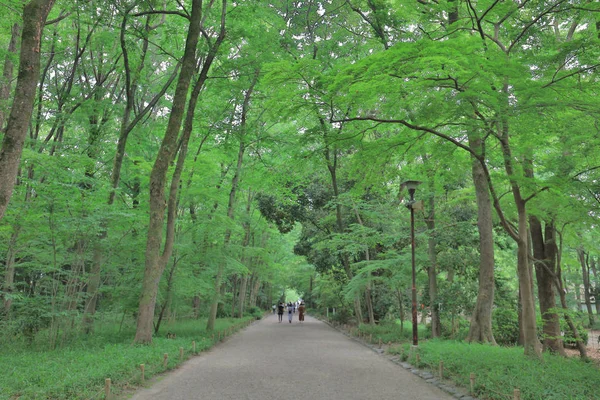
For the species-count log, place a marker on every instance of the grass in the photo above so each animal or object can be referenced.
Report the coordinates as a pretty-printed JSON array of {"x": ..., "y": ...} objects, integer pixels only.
[
  {"x": 500, "y": 370},
  {"x": 78, "y": 370}
]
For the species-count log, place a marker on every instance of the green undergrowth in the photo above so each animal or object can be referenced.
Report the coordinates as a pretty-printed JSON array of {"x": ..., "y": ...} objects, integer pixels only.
[
  {"x": 391, "y": 332},
  {"x": 500, "y": 370},
  {"x": 78, "y": 370}
]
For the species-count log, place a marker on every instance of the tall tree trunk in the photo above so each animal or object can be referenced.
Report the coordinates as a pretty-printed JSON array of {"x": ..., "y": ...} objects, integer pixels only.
[
  {"x": 558, "y": 281},
  {"x": 585, "y": 273},
  {"x": 158, "y": 179},
  {"x": 545, "y": 269},
  {"x": 34, "y": 17},
  {"x": 210, "y": 325},
  {"x": 481, "y": 320},
  {"x": 531, "y": 344},
  {"x": 436, "y": 328},
  {"x": 332, "y": 167},
  {"x": 92, "y": 290},
  {"x": 7, "y": 73},
  {"x": 368, "y": 291},
  {"x": 245, "y": 260},
  {"x": 168, "y": 296}
]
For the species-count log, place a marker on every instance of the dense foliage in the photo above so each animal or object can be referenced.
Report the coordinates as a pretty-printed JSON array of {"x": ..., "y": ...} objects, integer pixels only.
[{"x": 194, "y": 159}]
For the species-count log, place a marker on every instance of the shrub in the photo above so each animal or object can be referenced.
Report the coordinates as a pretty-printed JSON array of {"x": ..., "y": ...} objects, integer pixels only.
[
  {"x": 505, "y": 325},
  {"x": 568, "y": 336},
  {"x": 256, "y": 312}
]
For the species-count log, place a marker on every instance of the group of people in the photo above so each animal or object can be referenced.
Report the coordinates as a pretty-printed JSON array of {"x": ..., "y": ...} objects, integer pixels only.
[{"x": 291, "y": 310}]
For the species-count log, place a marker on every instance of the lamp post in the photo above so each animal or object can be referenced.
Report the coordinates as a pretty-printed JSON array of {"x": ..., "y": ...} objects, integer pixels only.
[{"x": 412, "y": 187}]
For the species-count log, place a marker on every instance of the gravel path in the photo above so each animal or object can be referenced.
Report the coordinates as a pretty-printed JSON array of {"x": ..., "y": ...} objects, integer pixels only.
[{"x": 283, "y": 361}]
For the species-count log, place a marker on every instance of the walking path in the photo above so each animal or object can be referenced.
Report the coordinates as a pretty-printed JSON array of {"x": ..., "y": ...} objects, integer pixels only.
[{"x": 283, "y": 361}]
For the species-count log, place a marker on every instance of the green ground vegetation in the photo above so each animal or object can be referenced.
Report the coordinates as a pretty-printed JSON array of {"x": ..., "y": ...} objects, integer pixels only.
[
  {"x": 499, "y": 370},
  {"x": 78, "y": 369}
]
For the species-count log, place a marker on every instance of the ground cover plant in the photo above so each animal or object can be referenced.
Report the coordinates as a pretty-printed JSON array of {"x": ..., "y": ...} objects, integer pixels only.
[
  {"x": 499, "y": 370},
  {"x": 78, "y": 370}
]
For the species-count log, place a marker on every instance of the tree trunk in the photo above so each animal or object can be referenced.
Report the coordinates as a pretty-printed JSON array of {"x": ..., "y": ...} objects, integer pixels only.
[
  {"x": 7, "y": 73},
  {"x": 332, "y": 167},
  {"x": 531, "y": 344},
  {"x": 545, "y": 268},
  {"x": 92, "y": 290},
  {"x": 34, "y": 17},
  {"x": 168, "y": 296},
  {"x": 254, "y": 292},
  {"x": 436, "y": 328},
  {"x": 210, "y": 325},
  {"x": 154, "y": 260},
  {"x": 585, "y": 273},
  {"x": 563, "y": 300},
  {"x": 481, "y": 320}
]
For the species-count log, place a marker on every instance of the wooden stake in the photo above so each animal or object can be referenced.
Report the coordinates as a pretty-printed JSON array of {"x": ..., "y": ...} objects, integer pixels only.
[
  {"x": 181, "y": 354},
  {"x": 165, "y": 360},
  {"x": 142, "y": 377},
  {"x": 379, "y": 342},
  {"x": 441, "y": 369},
  {"x": 472, "y": 379},
  {"x": 517, "y": 394},
  {"x": 418, "y": 360},
  {"x": 107, "y": 388},
  {"x": 194, "y": 347},
  {"x": 371, "y": 338}
]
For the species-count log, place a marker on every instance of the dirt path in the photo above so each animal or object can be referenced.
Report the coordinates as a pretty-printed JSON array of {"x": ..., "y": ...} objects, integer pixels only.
[{"x": 282, "y": 361}]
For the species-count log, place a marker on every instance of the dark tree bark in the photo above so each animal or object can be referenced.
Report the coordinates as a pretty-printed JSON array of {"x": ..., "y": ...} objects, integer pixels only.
[
  {"x": 7, "y": 73},
  {"x": 545, "y": 271},
  {"x": 35, "y": 14}
]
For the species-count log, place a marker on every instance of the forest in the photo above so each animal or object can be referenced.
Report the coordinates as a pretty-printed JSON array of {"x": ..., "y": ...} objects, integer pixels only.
[{"x": 195, "y": 162}]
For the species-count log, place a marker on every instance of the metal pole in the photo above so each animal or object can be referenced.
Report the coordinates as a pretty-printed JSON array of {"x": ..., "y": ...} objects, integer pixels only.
[{"x": 414, "y": 284}]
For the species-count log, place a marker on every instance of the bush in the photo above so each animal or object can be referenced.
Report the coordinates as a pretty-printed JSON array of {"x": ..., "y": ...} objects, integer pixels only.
[
  {"x": 568, "y": 336},
  {"x": 505, "y": 325},
  {"x": 342, "y": 316},
  {"x": 256, "y": 312}
]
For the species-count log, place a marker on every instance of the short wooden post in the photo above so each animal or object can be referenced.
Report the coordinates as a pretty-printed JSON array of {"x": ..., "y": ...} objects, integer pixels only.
[
  {"x": 107, "y": 388},
  {"x": 165, "y": 360},
  {"x": 441, "y": 369},
  {"x": 142, "y": 376},
  {"x": 472, "y": 379},
  {"x": 371, "y": 338},
  {"x": 379, "y": 342},
  {"x": 516, "y": 394},
  {"x": 213, "y": 337},
  {"x": 418, "y": 360},
  {"x": 193, "y": 347},
  {"x": 181, "y": 354}
]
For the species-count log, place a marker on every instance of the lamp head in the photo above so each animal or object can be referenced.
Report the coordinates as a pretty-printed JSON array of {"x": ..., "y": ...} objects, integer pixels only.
[{"x": 411, "y": 186}]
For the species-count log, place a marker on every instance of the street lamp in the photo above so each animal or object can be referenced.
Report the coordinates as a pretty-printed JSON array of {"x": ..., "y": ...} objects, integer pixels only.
[{"x": 412, "y": 187}]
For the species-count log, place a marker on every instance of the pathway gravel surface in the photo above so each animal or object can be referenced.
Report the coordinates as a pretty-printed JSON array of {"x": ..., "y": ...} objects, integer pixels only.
[{"x": 281, "y": 361}]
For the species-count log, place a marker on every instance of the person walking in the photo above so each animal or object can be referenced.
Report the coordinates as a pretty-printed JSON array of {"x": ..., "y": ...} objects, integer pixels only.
[
  {"x": 290, "y": 312},
  {"x": 274, "y": 308},
  {"x": 280, "y": 311},
  {"x": 301, "y": 310}
]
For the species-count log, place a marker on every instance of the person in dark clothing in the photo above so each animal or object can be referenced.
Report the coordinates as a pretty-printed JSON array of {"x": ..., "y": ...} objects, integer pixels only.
[{"x": 280, "y": 308}]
